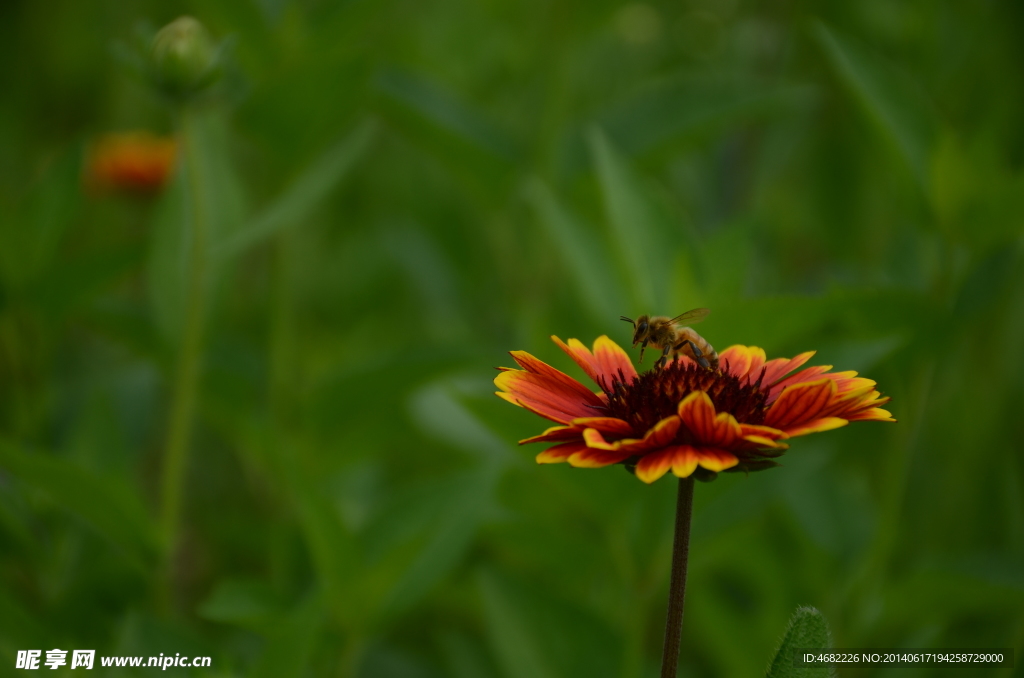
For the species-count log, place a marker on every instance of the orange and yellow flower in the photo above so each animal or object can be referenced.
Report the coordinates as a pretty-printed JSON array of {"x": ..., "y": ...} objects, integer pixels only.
[
  {"x": 131, "y": 162},
  {"x": 683, "y": 417}
]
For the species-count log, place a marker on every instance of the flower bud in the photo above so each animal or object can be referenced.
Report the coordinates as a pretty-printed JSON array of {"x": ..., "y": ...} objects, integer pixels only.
[{"x": 184, "y": 58}]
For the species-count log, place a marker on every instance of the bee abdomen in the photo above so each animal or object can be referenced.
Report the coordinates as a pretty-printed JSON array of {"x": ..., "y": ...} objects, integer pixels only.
[{"x": 696, "y": 347}]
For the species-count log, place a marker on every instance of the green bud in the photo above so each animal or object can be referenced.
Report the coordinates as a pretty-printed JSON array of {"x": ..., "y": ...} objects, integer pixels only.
[{"x": 184, "y": 58}]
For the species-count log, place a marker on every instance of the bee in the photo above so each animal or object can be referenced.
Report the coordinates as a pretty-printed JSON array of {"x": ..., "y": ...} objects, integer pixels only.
[{"x": 667, "y": 335}]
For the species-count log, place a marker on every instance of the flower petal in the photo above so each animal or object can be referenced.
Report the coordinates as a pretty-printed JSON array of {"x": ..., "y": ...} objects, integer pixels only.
[
  {"x": 659, "y": 435},
  {"x": 535, "y": 366},
  {"x": 654, "y": 465},
  {"x": 544, "y": 411},
  {"x": 853, "y": 389},
  {"x": 735, "y": 360},
  {"x": 802, "y": 377},
  {"x": 548, "y": 397},
  {"x": 591, "y": 458},
  {"x": 555, "y": 433},
  {"x": 757, "y": 361},
  {"x": 715, "y": 460},
  {"x": 817, "y": 426},
  {"x": 698, "y": 414},
  {"x": 580, "y": 354},
  {"x": 874, "y": 414},
  {"x": 593, "y": 438},
  {"x": 760, "y": 442},
  {"x": 559, "y": 453},
  {"x": 850, "y": 404},
  {"x": 741, "y": 361},
  {"x": 604, "y": 364},
  {"x": 849, "y": 381},
  {"x": 507, "y": 397},
  {"x": 613, "y": 362},
  {"x": 800, "y": 404},
  {"x": 606, "y": 424},
  {"x": 685, "y": 460},
  {"x": 762, "y": 431},
  {"x": 779, "y": 367}
]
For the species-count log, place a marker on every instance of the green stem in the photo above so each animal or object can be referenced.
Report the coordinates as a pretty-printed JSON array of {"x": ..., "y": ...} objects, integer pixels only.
[
  {"x": 677, "y": 585},
  {"x": 186, "y": 380}
]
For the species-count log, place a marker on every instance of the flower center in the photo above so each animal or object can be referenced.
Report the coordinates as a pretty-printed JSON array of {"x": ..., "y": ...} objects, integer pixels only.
[{"x": 655, "y": 394}]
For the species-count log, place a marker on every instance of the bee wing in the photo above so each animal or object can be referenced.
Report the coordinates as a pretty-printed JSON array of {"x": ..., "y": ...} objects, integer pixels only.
[{"x": 691, "y": 317}]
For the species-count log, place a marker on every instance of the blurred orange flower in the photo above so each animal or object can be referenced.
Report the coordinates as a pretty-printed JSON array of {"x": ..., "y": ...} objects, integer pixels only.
[
  {"x": 684, "y": 417},
  {"x": 131, "y": 162}
]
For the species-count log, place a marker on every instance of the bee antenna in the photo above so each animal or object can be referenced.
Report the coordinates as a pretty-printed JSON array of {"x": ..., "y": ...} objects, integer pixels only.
[{"x": 628, "y": 320}]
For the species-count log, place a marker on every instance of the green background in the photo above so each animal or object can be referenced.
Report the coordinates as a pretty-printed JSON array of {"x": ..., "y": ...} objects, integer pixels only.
[{"x": 399, "y": 193}]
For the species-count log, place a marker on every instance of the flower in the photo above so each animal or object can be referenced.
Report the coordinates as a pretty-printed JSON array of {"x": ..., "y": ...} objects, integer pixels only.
[
  {"x": 683, "y": 417},
  {"x": 133, "y": 162}
]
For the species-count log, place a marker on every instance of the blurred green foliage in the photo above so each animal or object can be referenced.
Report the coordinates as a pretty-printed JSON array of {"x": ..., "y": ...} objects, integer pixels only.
[{"x": 401, "y": 192}]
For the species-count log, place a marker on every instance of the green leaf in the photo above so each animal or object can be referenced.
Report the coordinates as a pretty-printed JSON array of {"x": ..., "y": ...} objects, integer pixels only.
[
  {"x": 583, "y": 253},
  {"x": 633, "y": 225},
  {"x": 807, "y": 629},
  {"x": 305, "y": 193},
  {"x": 892, "y": 99},
  {"x": 108, "y": 505}
]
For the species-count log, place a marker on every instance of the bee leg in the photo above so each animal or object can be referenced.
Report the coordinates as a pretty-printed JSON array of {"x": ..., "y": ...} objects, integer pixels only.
[
  {"x": 663, "y": 360},
  {"x": 642, "y": 347},
  {"x": 698, "y": 355}
]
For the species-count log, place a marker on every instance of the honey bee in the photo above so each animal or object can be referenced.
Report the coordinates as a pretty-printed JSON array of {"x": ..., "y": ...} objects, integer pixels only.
[{"x": 668, "y": 335}]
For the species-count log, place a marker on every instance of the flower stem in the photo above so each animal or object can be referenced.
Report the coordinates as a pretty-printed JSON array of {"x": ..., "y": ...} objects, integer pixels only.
[
  {"x": 186, "y": 379},
  {"x": 677, "y": 586}
]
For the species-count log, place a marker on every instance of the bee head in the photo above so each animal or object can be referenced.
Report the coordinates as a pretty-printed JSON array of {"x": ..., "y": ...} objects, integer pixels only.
[{"x": 640, "y": 326}]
